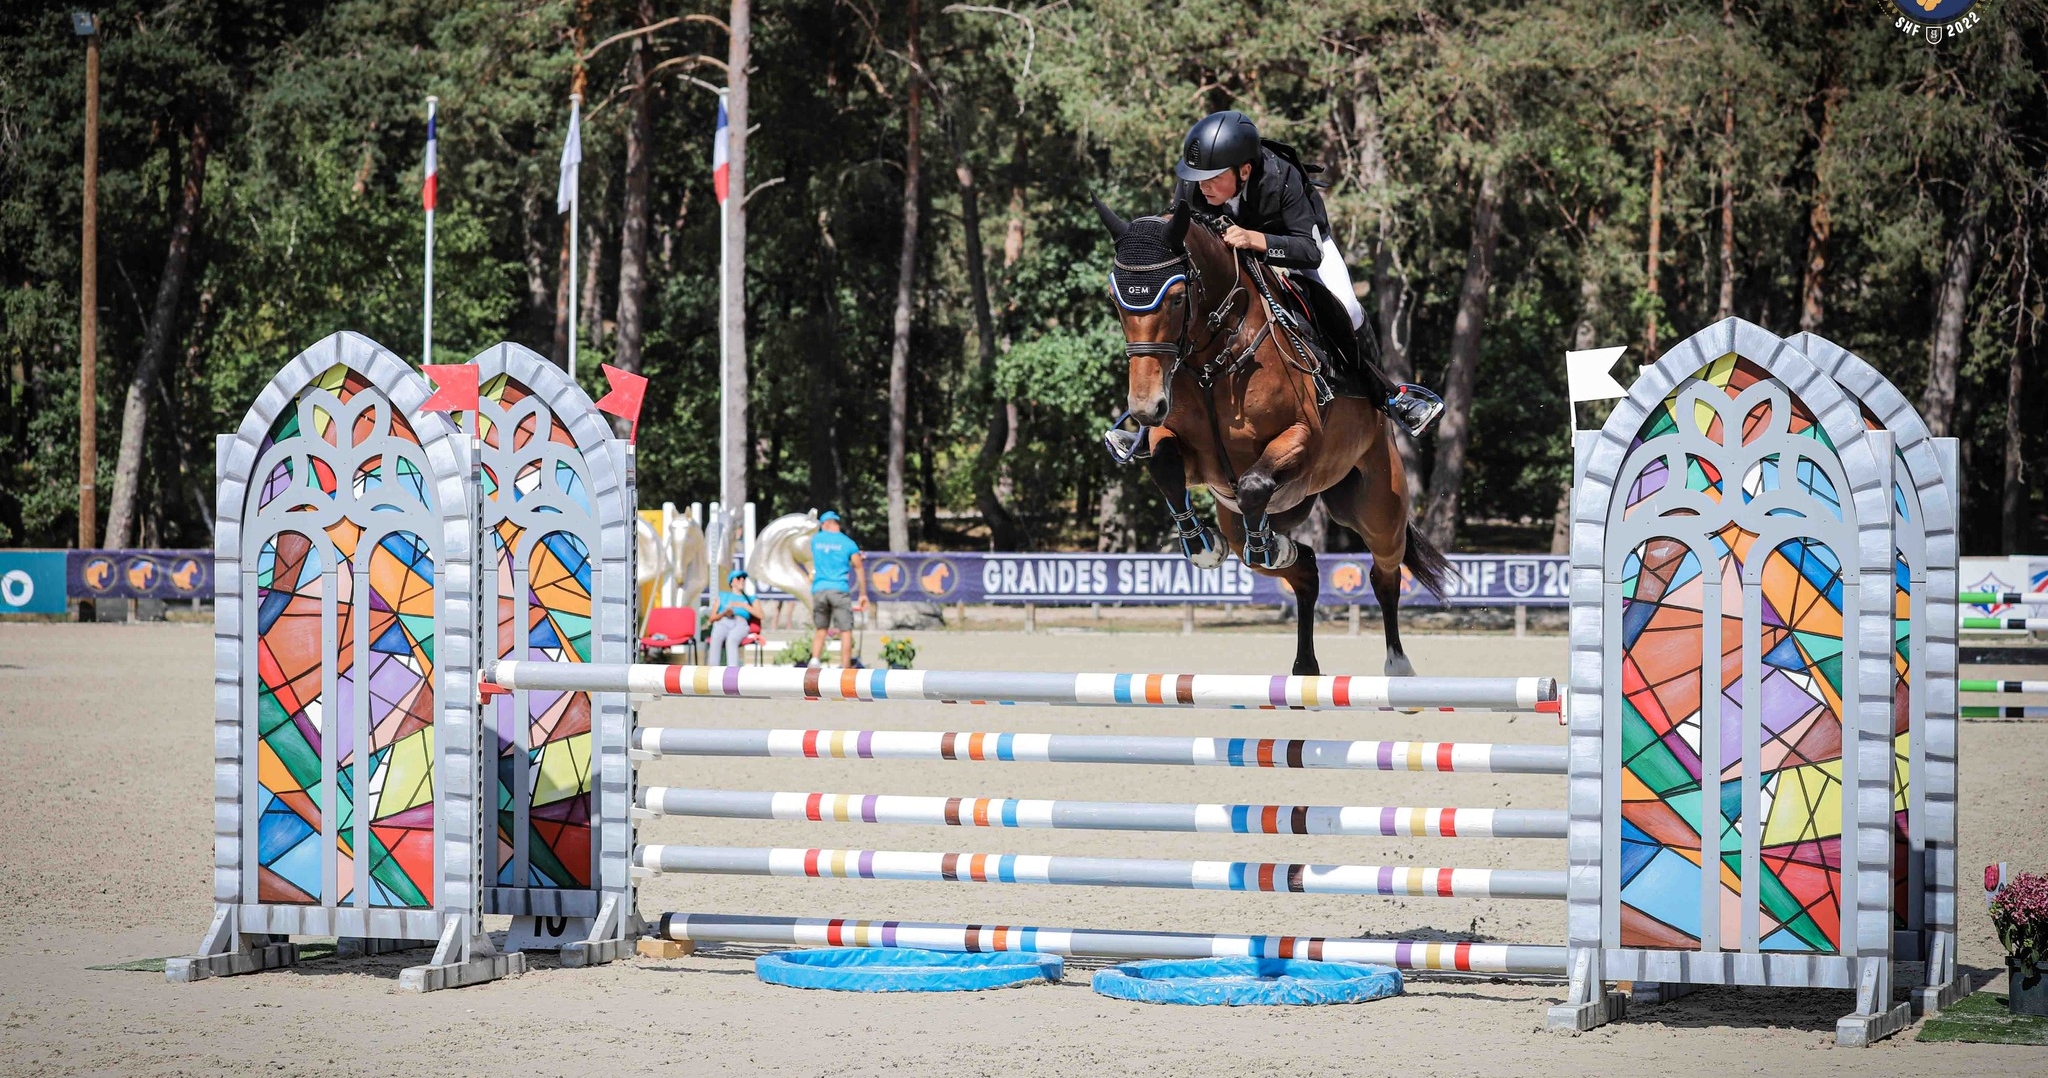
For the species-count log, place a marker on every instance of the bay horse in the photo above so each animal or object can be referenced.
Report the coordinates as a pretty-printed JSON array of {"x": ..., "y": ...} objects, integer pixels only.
[{"x": 1233, "y": 399}]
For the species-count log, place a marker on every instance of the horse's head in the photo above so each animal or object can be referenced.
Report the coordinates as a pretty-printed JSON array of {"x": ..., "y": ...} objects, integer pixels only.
[{"x": 1166, "y": 277}]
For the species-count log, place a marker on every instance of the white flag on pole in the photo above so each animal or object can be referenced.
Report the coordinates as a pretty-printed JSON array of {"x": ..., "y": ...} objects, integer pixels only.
[
  {"x": 572, "y": 159},
  {"x": 1587, "y": 372}
]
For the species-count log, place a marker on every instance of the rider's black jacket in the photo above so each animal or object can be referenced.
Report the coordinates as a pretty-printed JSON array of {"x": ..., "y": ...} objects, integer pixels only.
[{"x": 1279, "y": 201}]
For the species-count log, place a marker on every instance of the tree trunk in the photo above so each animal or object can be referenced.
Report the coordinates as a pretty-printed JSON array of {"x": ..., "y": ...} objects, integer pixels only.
[
  {"x": 1453, "y": 431},
  {"x": 162, "y": 323},
  {"x": 1726, "y": 307},
  {"x": 1002, "y": 526},
  {"x": 1585, "y": 335},
  {"x": 739, "y": 54},
  {"x": 1113, "y": 531},
  {"x": 1938, "y": 404},
  {"x": 634, "y": 217},
  {"x": 1651, "y": 267},
  {"x": 2013, "y": 499},
  {"x": 906, "y": 280},
  {"x": 1396, "y": 317},
  {"x": 593, "y": 285},
  {"x": 1820, "y": 223},
  {"x": 578, "y": 80},
  {"x": 823, "y": 374}
]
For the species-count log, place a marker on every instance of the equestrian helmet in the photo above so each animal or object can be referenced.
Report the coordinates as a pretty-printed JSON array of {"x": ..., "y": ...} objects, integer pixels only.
[{"x": 1217, "y": 143}]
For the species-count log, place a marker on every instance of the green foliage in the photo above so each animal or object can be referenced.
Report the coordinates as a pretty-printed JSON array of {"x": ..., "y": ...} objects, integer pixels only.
[
  {"x": 795, "y": 653},
  {"x": 311, "y": 222}
]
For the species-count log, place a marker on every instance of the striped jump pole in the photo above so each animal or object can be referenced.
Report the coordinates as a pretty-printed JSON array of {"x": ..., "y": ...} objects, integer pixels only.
[
  {"x": 1479, "y": 757},
  {"x": 1340, "y": 692},
  {"x": 1985, "y": 685},
  {"x": 921, "y": 866},
  {"x": 2008, "y": 711},
  {"x": 998, "y": 812},
  {"x": 2032, "y": 625},
  {"x": 1506, "y": 958},
  {"x": 2003, "y": 598}
]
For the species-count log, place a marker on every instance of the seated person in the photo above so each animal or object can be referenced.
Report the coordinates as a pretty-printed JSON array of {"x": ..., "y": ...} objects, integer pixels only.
[{"x": 729, "y": 620}]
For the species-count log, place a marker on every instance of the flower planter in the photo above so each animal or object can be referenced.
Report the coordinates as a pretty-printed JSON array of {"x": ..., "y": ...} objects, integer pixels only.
[{"x": 2027, "y": 989}]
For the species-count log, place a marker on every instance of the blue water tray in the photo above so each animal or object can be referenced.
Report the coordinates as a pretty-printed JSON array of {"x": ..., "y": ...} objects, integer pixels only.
[
  {"x": 891, "y": 969},
  {"x": 1248, "y": 982}
]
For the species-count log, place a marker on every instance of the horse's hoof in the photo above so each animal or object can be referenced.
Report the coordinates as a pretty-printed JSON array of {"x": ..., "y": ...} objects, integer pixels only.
[
  {"x": 1399, "y": 666},
  {"x": 1213, "y": 551},
  {"x": 1278, "y": 554}
]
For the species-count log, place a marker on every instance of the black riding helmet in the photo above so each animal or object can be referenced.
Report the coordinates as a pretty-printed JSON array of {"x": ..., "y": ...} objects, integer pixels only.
[{"x": 1217, "y": 143}]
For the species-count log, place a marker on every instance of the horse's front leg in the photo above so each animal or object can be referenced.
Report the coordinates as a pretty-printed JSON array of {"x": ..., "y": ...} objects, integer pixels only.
[
  {"x": 1202, "y": 545},
  {"x": 1301, "y": 575},
  {"x": 1265, "y": 548}
]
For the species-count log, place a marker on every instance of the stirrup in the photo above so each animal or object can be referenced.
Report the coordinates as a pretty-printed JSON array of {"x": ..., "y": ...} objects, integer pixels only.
[
  {"x": 1124, "y": 445},
  {"x": 1414, "y": 407}
]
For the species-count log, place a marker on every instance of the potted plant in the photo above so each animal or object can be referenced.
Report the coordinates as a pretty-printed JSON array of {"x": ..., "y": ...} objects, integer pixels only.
[
  {"x": 2019, "y": 911},
  {"x": 898, "y": 652}
]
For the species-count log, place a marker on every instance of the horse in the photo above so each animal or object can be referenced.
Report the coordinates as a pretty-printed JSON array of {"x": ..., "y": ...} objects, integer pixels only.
[{"x": 1231, "y": 393}]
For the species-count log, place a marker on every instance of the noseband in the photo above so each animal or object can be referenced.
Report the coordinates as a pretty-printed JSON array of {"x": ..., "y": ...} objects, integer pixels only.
[{"x": 1182, "y": 347}]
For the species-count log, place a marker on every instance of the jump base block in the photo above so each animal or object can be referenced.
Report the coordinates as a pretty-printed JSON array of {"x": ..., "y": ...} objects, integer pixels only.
[
  {"x": 461, "y": 974},
  {"x": 254, "y": 959}
]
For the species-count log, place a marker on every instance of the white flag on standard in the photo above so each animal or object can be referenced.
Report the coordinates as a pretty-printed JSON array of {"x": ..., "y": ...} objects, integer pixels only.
[
  {"x": 572, "y": 158},
  {"x": 1587, "y": 372}
]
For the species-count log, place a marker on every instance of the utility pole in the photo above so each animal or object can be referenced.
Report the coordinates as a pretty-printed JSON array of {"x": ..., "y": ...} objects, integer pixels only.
[{"x": 87, "y": 26}]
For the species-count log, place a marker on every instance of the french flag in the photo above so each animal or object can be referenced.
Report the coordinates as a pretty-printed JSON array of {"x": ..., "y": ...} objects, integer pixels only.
[
  {"x": 721, "y": 167},
  {"x": 427, "y": 190}
]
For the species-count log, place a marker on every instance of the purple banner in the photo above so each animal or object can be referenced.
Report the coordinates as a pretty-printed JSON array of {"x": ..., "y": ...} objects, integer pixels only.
[
  {"x": 1056, "y": 579},
  {"x": 138, "y": 574}
]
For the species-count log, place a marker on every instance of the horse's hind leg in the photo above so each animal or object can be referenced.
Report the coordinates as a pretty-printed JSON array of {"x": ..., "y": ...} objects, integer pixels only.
[
  {"x": 1202, "y": 546},
  {"x": 1377, "y": 511}
]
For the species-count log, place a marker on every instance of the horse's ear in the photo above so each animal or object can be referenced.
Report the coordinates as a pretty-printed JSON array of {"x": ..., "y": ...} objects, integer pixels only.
[
  {"x": 1117, "y": 226},
  {"x": 1177, "y": 226}
]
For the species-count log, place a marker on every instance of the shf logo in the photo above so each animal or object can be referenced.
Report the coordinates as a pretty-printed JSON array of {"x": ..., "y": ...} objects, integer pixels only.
[{"x": 1935, "y": 20}]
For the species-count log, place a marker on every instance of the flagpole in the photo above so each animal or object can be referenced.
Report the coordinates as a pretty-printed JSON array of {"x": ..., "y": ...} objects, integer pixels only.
[
  {"x": 427, "y": 319},
  {"x": 724, "y": 361},
  {"x": 575, "y": 196}
]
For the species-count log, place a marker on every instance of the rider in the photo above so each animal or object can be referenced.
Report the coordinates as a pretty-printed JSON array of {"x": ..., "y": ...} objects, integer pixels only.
[{"x": 1276, "y": 214}]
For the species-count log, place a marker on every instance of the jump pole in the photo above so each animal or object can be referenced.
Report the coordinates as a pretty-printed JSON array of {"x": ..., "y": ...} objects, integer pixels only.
[
  {"x": 1504, "y": 958},
  {"x": 916, "y": 865},
  {"x": 1273, "y": 752},
  {"x": 1384, "y": 821},
  {"x": 1977, "y": 685},
  {"x": 2032, "y": 625},
  {"x": 2009, "y": 711},
  {"x": 1009, "y": 687},
  {"x": 2003, "y": 598}
]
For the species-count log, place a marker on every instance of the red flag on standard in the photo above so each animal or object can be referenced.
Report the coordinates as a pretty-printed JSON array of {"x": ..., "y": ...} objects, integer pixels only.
[
  {"x": 628, "y": 391},
  {"x": 721, "y": 163},
  {"x": 455, "y": 387}
]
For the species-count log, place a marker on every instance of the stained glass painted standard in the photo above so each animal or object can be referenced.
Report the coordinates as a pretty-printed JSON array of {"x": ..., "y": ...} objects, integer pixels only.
[
  {"x": 551, "y": 775},
  {"x": 1665, "y": 802},
  {"x": 298, "y": 729}
]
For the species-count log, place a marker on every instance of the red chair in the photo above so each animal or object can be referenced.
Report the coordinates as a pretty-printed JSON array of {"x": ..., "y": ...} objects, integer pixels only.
[
  {"x": 671, "y": 629},
  {"x": 753, "y": 640}
]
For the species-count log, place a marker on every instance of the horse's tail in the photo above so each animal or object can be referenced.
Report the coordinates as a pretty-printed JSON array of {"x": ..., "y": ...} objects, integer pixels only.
[{"x": 1431, "y": 569}]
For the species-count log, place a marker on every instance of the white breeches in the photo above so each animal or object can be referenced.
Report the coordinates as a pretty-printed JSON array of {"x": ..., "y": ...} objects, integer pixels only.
[{"x": 1338, "y": 280}]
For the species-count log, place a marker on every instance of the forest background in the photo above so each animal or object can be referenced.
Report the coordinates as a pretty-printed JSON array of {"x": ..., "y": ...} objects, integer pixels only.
[{"x": 929, "y": 341}]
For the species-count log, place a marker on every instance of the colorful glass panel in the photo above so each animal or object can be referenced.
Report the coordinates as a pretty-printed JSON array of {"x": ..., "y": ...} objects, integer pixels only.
[
  {"x": 291, "y": 720},
  {"x": 400, "y": 785}
]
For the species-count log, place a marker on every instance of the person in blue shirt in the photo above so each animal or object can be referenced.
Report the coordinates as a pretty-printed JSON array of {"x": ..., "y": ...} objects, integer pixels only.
[
  {"x": 729, "y": 618},
  {"x": 835, "y": 565}
]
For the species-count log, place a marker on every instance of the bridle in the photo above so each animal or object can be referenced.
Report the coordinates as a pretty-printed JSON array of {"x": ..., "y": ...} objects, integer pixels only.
[{"x": 1182, "y": 348}]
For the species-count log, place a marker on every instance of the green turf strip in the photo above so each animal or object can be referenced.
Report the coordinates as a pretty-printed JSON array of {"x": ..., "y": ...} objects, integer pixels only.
[{"x": 1982, "y": 1018}]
